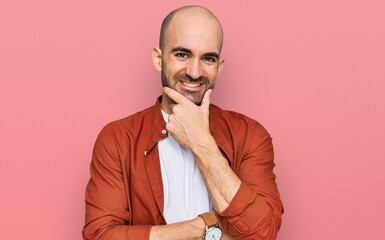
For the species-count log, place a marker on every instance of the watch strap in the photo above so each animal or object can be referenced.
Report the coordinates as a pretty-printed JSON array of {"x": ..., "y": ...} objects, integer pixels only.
[{"x": 209, "y": 219}]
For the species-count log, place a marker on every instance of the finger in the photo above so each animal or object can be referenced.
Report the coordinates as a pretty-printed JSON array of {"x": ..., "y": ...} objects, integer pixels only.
[
  {"x": 206, "y": 99},
  {"x": 175, "y": 108},
  {"x": 172, "y": 107},
  {"x": 174, "y": 95}
]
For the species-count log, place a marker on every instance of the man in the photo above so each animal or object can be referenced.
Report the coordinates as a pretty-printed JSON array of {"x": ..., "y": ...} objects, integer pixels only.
[{"x": 184, "y": 168}]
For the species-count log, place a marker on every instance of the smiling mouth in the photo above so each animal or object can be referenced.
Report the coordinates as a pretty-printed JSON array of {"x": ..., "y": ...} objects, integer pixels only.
[{"x": 194, "y": 85}]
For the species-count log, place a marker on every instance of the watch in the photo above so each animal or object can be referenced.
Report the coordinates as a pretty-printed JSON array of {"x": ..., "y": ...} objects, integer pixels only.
[{"x": 213, "y": 231}]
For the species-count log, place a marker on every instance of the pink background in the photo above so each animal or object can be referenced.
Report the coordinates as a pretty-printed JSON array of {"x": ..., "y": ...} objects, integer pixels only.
[{"x": 312, "y": 72}]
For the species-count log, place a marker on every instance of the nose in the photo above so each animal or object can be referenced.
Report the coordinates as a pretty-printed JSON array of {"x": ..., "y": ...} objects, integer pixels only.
[{"x": 194, "y": 69}]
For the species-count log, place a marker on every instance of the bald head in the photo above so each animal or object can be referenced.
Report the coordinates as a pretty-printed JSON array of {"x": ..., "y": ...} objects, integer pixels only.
[{"x": 188, "y": 13}]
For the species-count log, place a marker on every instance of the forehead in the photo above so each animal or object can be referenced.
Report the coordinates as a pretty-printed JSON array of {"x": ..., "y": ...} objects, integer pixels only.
[{"x": 196, "y": 31}]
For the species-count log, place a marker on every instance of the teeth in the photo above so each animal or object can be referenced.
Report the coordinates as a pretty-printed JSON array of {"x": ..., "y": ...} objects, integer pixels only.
[{"x": 191, "y": 84}]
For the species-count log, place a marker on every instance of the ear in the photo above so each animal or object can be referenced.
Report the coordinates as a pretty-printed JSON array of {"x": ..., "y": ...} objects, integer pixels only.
[
  {"x": 157, "y": 58},
  {"x": 220, "y": 65}
]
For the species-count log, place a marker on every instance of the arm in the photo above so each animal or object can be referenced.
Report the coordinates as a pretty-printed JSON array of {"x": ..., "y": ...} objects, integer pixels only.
[
  {"x": 221, "y": 182},
  {"x": 107, "y": 208},
  {"x": 255, "y": 210},
  {"x": 192, "y": 229},
  {"x": 248, "y": 203},
  {"x": 189, "y": 125}
]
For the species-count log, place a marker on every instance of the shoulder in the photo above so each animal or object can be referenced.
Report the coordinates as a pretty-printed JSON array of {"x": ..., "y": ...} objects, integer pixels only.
[
  {"x": 240, "y": 136},
  {"x": 132, "y": 122},
  {"x": 130, "y": 127},
  {"x": 235, "y": 121}
]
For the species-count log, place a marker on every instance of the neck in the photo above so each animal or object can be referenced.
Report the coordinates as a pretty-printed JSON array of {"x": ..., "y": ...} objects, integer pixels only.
[{"x": 165, "y": 104}]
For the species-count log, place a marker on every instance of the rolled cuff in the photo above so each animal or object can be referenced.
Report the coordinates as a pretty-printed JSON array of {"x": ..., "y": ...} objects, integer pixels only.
[
  {"x": 141, "y": 232},
  {"x": 249, "y": 216},
  {"x": 236, "y": 209},
  {"x": 129, "y": 232}
]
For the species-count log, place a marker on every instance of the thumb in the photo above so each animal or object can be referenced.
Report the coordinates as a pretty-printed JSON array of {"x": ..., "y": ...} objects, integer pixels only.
[{"x": 206, "y": 99}]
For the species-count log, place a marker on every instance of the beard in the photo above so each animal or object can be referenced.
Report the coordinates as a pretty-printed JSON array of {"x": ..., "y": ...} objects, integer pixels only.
[{"x": 193, "y": 96}]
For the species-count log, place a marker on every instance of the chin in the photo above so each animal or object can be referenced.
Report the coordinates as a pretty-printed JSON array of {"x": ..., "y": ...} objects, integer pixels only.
[
  {"x": 197, "y": 100},
  {"x": 193, "y": 96}
]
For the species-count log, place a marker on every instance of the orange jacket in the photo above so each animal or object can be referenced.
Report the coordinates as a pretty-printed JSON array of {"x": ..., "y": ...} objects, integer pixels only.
[{"x": 124, "y": 196}]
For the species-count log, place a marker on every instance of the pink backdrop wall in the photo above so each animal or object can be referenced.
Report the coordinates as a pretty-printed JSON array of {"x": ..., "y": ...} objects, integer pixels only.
[{"x": 312, "y": 72}]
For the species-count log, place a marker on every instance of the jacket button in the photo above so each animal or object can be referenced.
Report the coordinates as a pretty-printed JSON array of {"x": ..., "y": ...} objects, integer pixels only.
[
  {"x": 145, "y": 153},
  {"x": 164, "y": 131}
]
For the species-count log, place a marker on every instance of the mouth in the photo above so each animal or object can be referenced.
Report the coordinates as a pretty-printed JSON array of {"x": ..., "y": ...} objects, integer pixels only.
[{"x": 191, "y": 85}]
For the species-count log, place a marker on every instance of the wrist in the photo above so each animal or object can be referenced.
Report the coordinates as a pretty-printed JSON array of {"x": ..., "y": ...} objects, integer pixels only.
[
  {"x": 205, "y": 146},
  {"x": 199, "y": 224},
  {"x": 190, "y": 229},
  {"x": 213, "y": 230},
  {"x": 199, "y": 228}
]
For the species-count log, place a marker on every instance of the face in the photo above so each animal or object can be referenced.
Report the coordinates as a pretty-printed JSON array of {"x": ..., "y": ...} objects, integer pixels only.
[{"x": 190, "y": 62}]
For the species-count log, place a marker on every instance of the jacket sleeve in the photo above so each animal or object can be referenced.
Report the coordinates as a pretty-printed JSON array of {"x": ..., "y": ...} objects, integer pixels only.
[
  {"x": 256, "y": 210},
  {"x": 107, "y": 199}
]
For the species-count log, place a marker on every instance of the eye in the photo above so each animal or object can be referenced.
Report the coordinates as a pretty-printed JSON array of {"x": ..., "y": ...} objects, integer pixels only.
[
  {"x": 209, "y": 59},
  {"x": 181, "y": 55}
]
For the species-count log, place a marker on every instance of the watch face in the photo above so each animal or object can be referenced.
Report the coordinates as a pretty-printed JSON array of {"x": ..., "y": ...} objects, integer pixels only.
[{"x": 213, "y": 233}]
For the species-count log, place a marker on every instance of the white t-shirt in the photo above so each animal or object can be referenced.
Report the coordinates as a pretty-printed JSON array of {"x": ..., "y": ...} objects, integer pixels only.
[{"x": 185, "y": 193}]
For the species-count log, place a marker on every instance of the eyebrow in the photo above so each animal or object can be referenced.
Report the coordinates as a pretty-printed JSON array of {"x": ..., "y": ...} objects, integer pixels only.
[
  {"x": 181, "y": 49},
  {"x": 212, "y": 54},
  {"x": 186, "y": 50}
]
